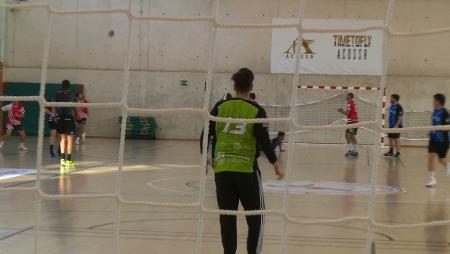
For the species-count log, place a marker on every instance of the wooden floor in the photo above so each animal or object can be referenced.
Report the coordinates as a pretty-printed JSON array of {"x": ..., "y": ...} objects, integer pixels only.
[{"x": 168, "y": 171}]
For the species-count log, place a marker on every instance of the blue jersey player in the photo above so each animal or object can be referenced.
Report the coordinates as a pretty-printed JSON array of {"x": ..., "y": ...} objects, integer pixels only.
[
  {"x": 395, "y": 121},
  {"x": 278, "y": 141},
  {"x": 439, "y": 140}
]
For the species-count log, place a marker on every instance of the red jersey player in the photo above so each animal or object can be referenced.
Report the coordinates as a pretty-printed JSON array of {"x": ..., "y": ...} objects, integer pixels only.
[
  {"x": 82, "y": 116},
  {"x": 352, "y": 117},
  {"x": 16, "y": 112}
]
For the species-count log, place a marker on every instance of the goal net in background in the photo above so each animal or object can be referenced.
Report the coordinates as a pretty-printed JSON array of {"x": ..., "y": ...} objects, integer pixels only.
[
  {"x": 416, "y": 119},
  {"x": 318, "y": 105}
]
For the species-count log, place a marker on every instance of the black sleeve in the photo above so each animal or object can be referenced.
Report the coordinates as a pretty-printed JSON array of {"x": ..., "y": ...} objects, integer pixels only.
[
  {"x": 262, "y": 137},
  {"x": 445, "y": 118},
  {"x": 399, "y": 110},
  {"x": 212, "y": 128}
]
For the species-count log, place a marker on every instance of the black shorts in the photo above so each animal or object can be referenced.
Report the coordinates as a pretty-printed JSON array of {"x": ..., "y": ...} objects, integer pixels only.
[
  {"x": 81, "y": 121},
  {"x": 51, "y": 125},
  {"x": 353, "y": 131},
  {"x": 65, "y": 125},
  {"x": 394, "y": 135},
  {"x": 440, "y": 148},
  {"x": 232, "y": 187},
  {"x": 18, "y": 127}
]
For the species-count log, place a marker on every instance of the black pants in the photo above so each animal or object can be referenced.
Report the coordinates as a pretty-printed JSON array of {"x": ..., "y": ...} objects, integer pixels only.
[{"x": 232, "y": 187}]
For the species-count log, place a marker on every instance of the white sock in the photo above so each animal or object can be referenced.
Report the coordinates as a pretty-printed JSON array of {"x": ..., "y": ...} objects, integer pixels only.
[
  {"x": 432, "y": 175},
  {"x": 354, "y": 148},
  {"x": 350, "y": 147}
]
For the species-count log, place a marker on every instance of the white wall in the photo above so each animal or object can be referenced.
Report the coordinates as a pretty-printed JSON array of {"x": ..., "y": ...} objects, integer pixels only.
[
  {"x": 2, "y": 33},
  {"x": 164, "y": 53}
]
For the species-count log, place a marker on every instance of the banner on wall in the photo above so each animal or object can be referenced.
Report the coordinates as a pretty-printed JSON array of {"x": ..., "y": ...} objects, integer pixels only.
[{"x": 328, "y": 53}]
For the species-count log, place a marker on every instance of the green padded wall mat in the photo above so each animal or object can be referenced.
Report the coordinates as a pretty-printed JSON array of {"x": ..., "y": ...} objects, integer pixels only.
[{"x": 140, "y": 127}]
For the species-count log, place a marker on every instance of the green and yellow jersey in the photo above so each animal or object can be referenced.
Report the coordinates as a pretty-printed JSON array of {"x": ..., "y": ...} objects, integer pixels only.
[{"x": 236, "y": 146}]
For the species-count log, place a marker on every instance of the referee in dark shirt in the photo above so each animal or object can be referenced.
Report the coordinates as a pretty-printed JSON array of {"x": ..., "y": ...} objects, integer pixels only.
[{"x": 65, "y": 123}]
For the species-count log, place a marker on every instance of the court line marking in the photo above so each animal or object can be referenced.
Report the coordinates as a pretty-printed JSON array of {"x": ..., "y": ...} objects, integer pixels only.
[
  {"x": 389, "y": 238},
  {"x": 81, "y": 169},
  {"x": 57, "y": 175},
  {"x": 295, "y": 239},
  {"x": 16, "y": 233},
  {"x": 151, "y": 184},
  {"x": 300, "y": 241},
  {"x": 166, "y": 234},
  {"x": 30, "y": 171},
  {"x": 302, "y": 184},
  {"x": 91, "y": 167}
]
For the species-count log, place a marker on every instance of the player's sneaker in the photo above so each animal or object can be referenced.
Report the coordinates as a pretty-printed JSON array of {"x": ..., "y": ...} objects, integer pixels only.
[
  {"x": 348, "y": 154},
  {"x": 63, "y": 162},
  {"x": 22, "y": 148},
  {"x": 2, "y": 143},
  {"x": 70, "y": 163},
  {"x": 77, "y": 142},
  {"x": 390, "y": 153},
  {"x": 397, "y": 155},
  {"x": 431, "y": 183},
  {"x": 355, "y": 154}
]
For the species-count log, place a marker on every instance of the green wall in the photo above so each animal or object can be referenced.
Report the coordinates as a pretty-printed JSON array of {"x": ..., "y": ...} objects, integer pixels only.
[{"x": 31, "y": 120}]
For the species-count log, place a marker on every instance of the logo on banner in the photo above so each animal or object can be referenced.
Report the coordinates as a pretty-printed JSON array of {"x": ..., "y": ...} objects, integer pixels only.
[
  {"x": 307, "y": 51},
  {"x": 351, "y": 46},
  {"x": 334, "y": 53}
]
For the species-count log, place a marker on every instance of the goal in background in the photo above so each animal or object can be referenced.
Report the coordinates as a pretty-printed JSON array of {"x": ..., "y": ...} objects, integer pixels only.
[{"x": 317, "y": 106}]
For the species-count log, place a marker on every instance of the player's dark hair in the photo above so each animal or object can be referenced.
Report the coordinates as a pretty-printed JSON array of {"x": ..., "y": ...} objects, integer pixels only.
[
  {"x": 281, "y": 133},
  {"x": 248, "y": 72},
  {"x": 395, "y": 97},
  {"x": 351, "y": 95},
  {"x": 252, "y": 96},
  {"x": 243, "y": 80},
  {"x": 440, "y": 98},
  {"x": 65, "y": 84}
]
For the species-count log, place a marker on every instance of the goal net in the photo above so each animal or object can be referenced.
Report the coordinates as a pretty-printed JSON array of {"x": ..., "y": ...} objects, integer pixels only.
[
  {"x": 318, "y": 106},
  {"x": 416, "y": 119}
]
